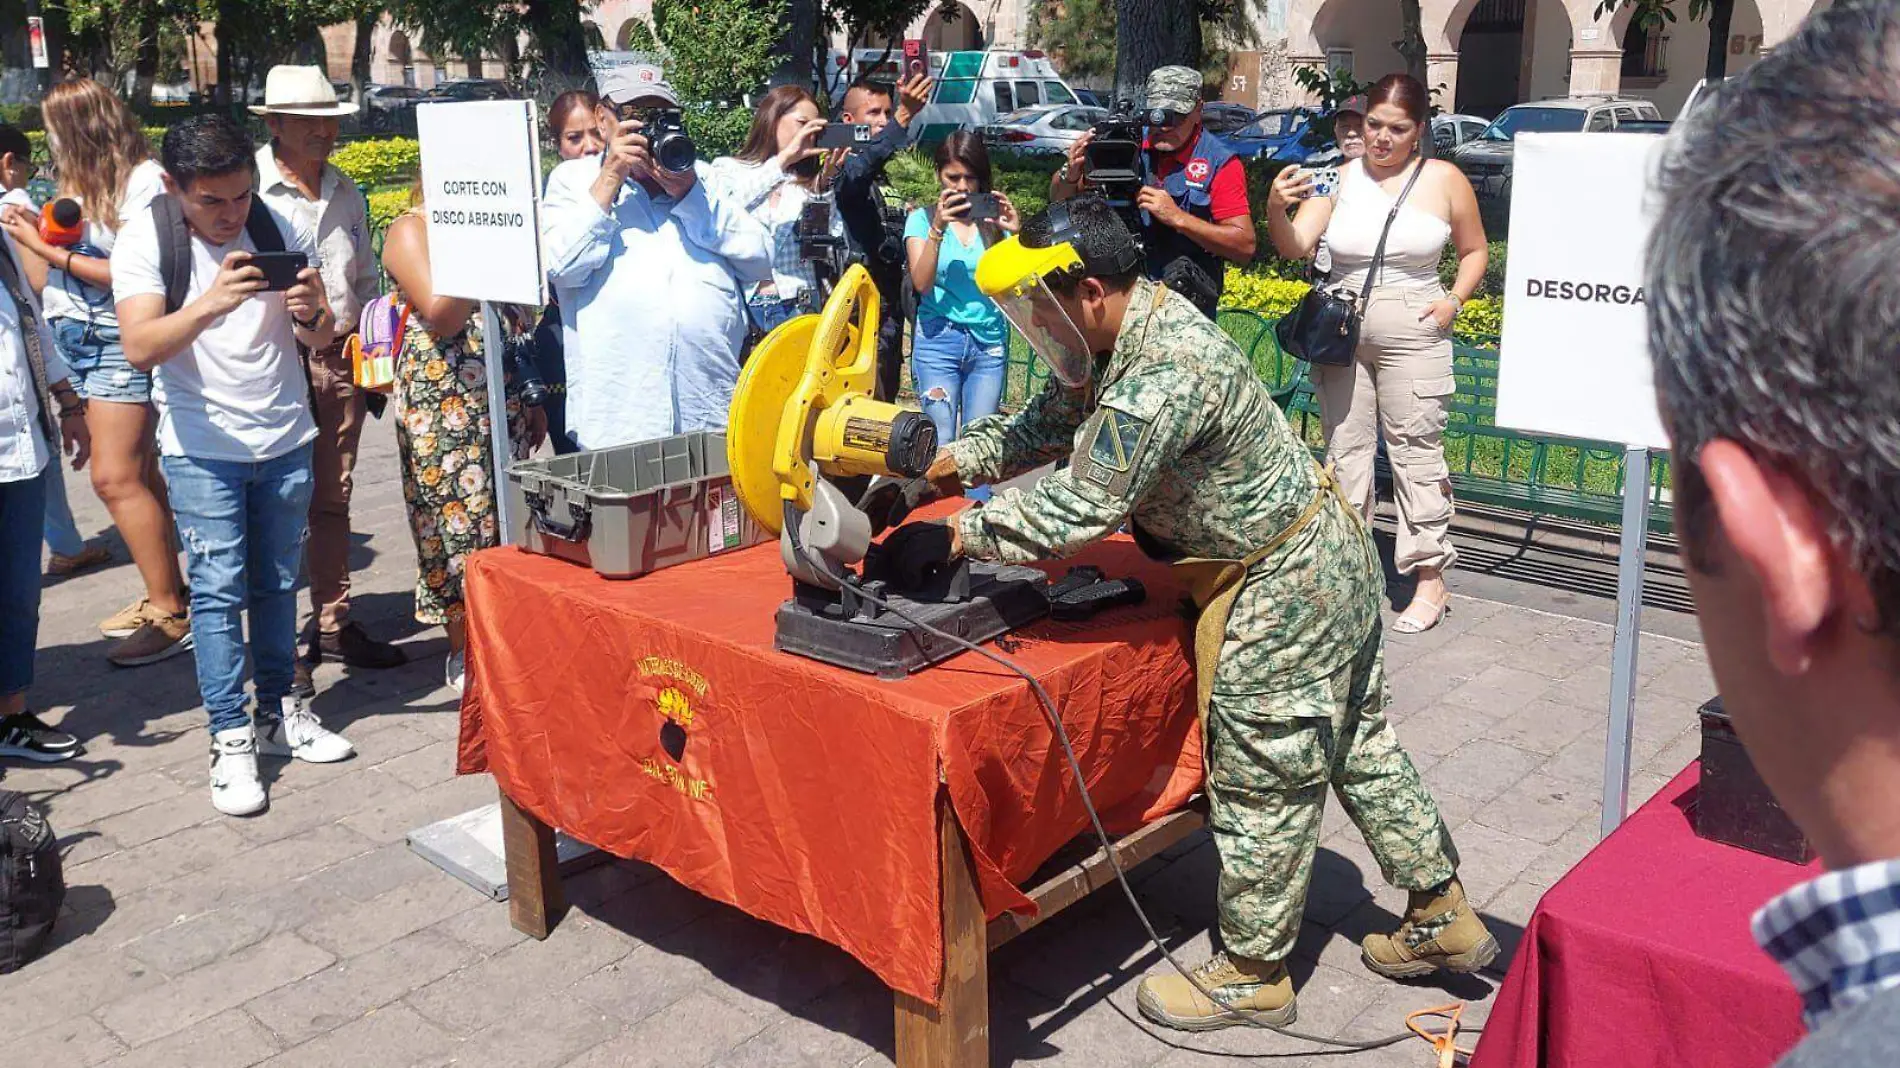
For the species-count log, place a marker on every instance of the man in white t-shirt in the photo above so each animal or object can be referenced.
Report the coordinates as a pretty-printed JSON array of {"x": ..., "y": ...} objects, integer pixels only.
[{"x": 235, "y": 438}]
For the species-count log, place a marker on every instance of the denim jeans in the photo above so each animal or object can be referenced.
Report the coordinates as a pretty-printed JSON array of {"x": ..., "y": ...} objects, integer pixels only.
[
  {"x": 959, "y": 379},
  {"x": 62, "y": 531},
  {"x": 22, "y": 510},
  {"x": 97, "y": 358},
  {"x": 243, "y": 527}
]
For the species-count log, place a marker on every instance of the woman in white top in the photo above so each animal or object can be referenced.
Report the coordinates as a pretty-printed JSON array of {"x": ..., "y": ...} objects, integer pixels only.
[
  {"x": 1401, "y": 379},
  {"x": 105, "y": 164},
  {"x": 775, "y": 173}
]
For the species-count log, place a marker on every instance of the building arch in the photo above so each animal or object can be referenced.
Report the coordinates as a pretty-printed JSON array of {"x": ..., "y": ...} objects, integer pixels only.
[{"x": 961, "y": 32}]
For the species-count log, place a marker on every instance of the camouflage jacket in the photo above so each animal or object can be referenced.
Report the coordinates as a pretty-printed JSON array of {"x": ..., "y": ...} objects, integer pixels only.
[{"x": 1186, "y": 442}]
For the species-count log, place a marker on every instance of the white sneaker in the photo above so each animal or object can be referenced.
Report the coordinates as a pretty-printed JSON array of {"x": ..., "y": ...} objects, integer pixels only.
[
  {"x": 456, "y": 671},
  {"x": 235, "y": 788},
  {"x": 296, "y": 732}
]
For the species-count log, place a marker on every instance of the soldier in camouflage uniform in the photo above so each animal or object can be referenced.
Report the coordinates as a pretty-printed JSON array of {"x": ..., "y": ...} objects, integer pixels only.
[{"x": 1172, "y": 433}]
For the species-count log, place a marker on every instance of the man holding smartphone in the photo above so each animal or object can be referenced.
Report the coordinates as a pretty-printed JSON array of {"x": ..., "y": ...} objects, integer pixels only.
[
  {"x": 234, "y": 433},
  {"x": 861, "y": 199},
  {"x": 295, "y": 178}
]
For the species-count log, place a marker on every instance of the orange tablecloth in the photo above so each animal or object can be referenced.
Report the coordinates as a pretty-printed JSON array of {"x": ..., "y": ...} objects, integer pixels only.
[{"x": 652, "y": 718}]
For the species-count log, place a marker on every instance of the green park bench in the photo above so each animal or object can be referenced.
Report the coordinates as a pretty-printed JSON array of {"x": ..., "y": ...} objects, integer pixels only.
[{"x": 1490, "y": 465}]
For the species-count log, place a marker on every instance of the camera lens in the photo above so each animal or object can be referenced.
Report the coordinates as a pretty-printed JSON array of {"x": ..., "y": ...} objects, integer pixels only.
[{"x": 675, "y": 152}]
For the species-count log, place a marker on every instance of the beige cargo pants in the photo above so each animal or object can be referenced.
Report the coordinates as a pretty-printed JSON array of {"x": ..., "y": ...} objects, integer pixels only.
[{"x": 1398, "y": 386}]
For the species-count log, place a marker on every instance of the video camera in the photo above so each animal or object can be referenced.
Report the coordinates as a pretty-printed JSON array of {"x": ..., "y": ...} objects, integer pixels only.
[
  {"x": 826, "y": 252},
  {"x": 1117, "y": 166},
  {"x": 665, "y": 130}
]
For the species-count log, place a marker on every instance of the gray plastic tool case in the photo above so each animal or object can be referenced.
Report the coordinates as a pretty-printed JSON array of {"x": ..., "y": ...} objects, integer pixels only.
[{"x": 629, "y": 510}]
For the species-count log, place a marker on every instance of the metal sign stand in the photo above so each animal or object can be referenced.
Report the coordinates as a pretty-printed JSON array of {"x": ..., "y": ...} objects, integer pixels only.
[
  {"x": 494, "y": 353},
  {"x": 469, "y": 846},
  {"x": 1629, "y": 615}
]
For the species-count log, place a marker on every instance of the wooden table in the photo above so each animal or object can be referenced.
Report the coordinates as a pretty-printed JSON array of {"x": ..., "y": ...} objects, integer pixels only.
[
  {"x": 655, "y": 720},
  {"x": 953, "y": 1034}
]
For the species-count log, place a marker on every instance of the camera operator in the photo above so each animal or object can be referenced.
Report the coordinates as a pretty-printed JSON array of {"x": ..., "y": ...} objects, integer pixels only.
[
  {"x": 875, "y": 234},
  {"x": 1192, "y": 199},
  {"x": 650, "y": 267}
]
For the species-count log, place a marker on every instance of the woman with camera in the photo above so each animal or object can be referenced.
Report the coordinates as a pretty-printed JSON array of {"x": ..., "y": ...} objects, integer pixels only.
[
  {"x": 105, "y": 166},
  {"x": 775, "y": 175},
  {"x": 1400, "y": 378},
  {"x": 957, "y": 355},
  {"x": 442, "y": 426}
]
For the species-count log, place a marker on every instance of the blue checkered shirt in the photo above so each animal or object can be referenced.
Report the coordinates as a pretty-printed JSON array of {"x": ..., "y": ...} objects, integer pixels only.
[{"x": 1838, "y": 937}]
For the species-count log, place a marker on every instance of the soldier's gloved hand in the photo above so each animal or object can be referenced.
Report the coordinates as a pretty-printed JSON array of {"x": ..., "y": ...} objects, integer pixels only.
[
  {"x": 916, "y": 554},
  {"x": 890, "y": 501}
]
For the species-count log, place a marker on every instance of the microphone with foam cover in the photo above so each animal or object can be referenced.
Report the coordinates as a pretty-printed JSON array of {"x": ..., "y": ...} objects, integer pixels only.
[{"x": 61, "y": 223}]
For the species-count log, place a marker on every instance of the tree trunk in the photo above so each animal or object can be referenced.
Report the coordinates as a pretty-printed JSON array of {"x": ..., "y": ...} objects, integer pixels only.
[
  {"x": 1721, "y": 15},
  {"x": 145, "y": 68},
  {"x": 800, "y": 64},
  {"x": 555, "y": 27},
  {"x": 228, "y": 15},
  {"x": 1150, "y": 34},
  {"x": 360, "y": 52},
  {"x": 1411, "y": 43}
]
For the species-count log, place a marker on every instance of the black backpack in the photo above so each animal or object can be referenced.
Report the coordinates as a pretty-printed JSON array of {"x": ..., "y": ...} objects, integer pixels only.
[
  {"x": 32, "y": 886},
  {"x": 174, "y": 243}
]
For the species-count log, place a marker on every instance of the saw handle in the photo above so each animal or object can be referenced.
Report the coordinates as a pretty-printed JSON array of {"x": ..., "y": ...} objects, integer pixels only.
[{"x": 853, "y": 303}]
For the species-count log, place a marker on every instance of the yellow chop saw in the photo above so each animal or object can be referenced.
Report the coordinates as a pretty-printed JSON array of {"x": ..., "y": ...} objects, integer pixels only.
[{"x": 804, "y": 431}]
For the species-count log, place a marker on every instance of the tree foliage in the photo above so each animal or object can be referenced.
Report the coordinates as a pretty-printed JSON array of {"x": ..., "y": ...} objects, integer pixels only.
[
  {"x": 1657, "y": 14},
  {"x": 556, "y": 56},
  {"x": 1080, "y": 34}
]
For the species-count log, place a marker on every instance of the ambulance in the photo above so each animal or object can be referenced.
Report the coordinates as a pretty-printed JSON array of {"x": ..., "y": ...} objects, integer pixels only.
[{"x": 972, "y": 89}]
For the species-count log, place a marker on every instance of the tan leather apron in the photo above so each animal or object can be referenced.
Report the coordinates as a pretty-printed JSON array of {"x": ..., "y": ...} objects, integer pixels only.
[{"x": 1215, "y": 585}]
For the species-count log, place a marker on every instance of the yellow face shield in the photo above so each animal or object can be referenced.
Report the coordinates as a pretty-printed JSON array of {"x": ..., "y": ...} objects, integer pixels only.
[{"x": 1014, "y": 276}]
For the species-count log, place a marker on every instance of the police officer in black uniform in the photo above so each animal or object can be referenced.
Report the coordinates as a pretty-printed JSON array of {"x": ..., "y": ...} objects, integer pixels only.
[{"x": 1193, "y": 200}]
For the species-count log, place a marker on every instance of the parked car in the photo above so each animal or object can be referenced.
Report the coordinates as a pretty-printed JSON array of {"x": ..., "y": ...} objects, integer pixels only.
[
  {"x": 462, "y": 89},
  {"x": 1273, "y": 135},
  {"x": 1451, "y": 131},
  {"x": 1044, "y": 129},
  {"x": 1644, "y": 126},
  {"x": 1090, "y": 97},
  {"x": 391, "y": 107},
  {"x": 1223, "y": 118},
  {"x": 1487, "y": 160}
]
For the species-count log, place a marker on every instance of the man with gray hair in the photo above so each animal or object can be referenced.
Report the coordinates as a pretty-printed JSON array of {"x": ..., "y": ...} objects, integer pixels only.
[{"x": 1774, "y": 282}]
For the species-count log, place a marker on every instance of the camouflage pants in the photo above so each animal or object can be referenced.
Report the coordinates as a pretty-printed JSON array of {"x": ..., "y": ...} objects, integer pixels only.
[{"x": 1271, "y": 758}]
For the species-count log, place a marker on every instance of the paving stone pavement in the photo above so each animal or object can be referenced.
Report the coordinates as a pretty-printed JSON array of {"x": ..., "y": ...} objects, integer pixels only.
[{"x": 311, "y": 936}]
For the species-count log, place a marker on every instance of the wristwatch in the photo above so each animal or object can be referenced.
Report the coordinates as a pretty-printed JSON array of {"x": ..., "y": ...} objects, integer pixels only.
[{"x": 312, "y": 324}]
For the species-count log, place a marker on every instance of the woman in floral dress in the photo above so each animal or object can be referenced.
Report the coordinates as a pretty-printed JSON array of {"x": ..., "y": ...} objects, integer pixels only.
[{"x": 442, "y": 433}]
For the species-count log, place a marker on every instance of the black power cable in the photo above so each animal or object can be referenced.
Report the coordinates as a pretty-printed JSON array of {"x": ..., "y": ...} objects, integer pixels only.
[{"x": 1339, "y": 1045}]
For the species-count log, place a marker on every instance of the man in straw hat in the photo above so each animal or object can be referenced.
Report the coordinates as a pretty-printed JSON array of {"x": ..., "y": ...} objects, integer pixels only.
[{"x": 295, "y": 177}]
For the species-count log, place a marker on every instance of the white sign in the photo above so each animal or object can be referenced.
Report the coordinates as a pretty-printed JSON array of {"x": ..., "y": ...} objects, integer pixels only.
[
  {"x": 602, "y": 62},
  {"x": 1574, "y": 358},
  {"x": 481, "y": 194},
  {"x": 36, "y": 41}
]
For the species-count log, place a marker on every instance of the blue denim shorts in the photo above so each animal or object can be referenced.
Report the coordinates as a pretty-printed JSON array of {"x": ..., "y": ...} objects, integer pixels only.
[{"x": 100, "y": 369}]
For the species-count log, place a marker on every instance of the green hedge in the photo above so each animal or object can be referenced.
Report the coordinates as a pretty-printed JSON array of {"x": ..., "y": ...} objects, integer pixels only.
[
  {"x": 381, "y": 161},
  {"x": 1478, "y": 322}
]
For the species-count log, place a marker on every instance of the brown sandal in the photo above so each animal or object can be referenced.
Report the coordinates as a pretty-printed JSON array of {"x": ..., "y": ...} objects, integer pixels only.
[{"x": 86, "y": 559}]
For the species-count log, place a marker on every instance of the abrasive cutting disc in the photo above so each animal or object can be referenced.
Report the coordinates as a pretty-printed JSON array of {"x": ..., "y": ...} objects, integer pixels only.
[{"x": 758, "y": 403}]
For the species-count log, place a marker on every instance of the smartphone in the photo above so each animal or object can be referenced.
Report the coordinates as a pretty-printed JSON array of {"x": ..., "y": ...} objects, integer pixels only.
[
  {"x": 1325, "y": 181},
  {"x": 916, "y": 58},
  {"x": 280, "y": 268},
  {"x": 843, "y": 135},
  {"x": 984, "y": 207}
]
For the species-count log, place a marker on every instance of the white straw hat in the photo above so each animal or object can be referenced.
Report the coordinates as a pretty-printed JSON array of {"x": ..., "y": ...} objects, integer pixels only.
[{"x": 301, "y": 91}]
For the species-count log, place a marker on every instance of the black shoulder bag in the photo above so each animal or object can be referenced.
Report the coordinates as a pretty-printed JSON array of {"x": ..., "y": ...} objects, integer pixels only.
[{"x": 1323, "y": 328}]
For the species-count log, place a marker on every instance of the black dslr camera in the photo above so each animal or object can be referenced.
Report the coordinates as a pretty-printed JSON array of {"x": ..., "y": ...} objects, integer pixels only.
[
  {"x": 665, "y": 130},
  {"x": 1117, "y": 166}
]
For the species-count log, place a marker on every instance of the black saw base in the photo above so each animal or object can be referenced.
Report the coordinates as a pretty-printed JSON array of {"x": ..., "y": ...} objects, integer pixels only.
[{"x": 976, "y": 602}]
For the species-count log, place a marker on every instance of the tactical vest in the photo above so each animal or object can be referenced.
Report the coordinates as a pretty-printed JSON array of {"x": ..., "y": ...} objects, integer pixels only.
[{"x": 1192, "y": 189}]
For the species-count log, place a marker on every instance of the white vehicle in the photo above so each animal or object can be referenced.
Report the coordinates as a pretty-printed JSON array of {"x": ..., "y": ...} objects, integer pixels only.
[
  {"x": 974, "y": 89},
  {"x": 1043, "y": 129}
]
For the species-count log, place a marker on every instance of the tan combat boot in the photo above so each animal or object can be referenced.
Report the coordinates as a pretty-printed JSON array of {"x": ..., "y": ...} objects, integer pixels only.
[
  {"x": 1439, "y": 931},
  {"x": 1257, "y": 990}
]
